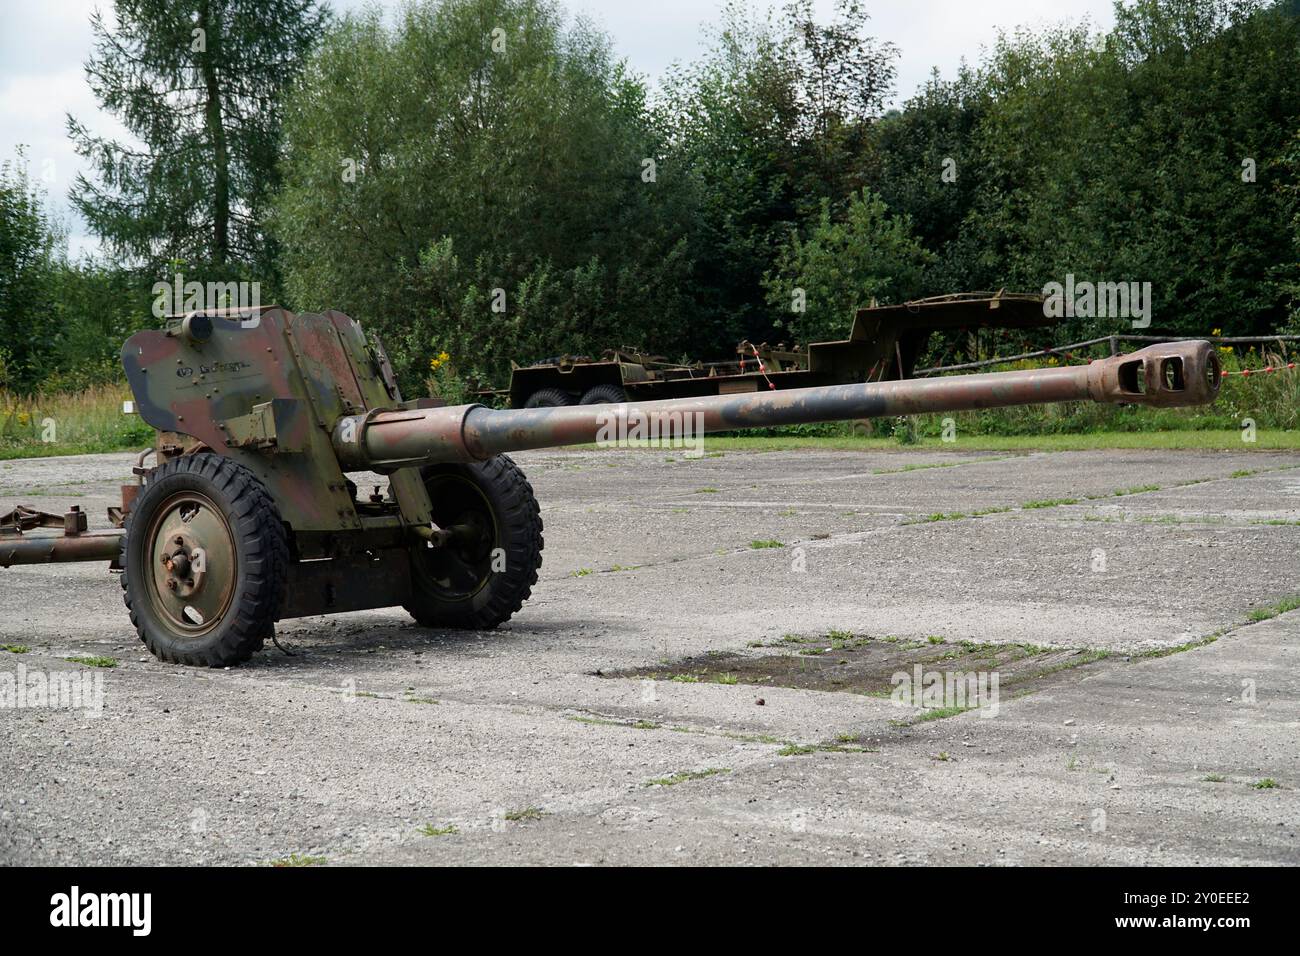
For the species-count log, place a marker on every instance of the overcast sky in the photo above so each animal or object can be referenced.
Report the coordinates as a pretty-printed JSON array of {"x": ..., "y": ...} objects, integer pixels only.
[{"x": 43, "y": 44}]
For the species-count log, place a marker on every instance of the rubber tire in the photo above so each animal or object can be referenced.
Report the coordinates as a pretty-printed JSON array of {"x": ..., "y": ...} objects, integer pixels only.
[
  {"x": 519, "y": 524},
  {"x": 261, "y": 544},
  {"x": 548, "y": 398},
  {"x": 604, "y": 395}
]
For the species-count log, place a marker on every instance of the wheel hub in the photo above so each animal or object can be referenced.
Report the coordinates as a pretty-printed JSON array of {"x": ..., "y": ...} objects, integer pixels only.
[{"x": 194, "y": 562}]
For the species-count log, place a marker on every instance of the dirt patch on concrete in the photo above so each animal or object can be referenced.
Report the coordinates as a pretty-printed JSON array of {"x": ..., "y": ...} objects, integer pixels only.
[{"x": 859, "y": 664}]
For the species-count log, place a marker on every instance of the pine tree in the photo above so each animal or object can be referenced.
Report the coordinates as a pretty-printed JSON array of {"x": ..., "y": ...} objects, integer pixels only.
[{"x": 198, "y": 83}]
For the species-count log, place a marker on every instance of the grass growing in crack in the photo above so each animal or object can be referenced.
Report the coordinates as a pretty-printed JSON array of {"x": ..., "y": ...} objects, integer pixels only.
[
  {"x": 758, "y": 545},
  {"x": 684, "y": 776},
  {"x": 17, "y": 648},
  {"x": 595, "y": 721},
  {"x": 1268, "y": 783},
  {"x": 799, "y": 750},
  {"x": 939, "y": 516},
  {"x": 1179, "y": 648},
  {"x": 580, "y": 573},
  {"x": 796, "y": 750},
  {"x": 525, "y": 813},
  {"x": 1281, "y": 607},
  {"x": 685, "y": 678},
  {"x": 939, "y": 713},
  {"x": 420, "y": 700},
  {"x": 1215, "y": 778},
  {"x": 706, "y": 491},
  {"x": 942, "y": 464},
  {"x": 430, "y": 830},
  {"x": 95, "y": 661},
  {"x": 1122, "y": 492},
  {"x": 728, "y": 679},
  {"x": 1049, "y": 503},
  {"x": 298, "y": 859}
]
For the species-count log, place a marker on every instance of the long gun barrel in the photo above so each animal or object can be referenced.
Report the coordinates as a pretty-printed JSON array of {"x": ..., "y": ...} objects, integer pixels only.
[{"x": 1184, "y": 373}]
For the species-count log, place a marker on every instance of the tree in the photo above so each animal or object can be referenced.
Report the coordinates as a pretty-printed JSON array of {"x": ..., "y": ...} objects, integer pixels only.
[
  {"x": 199, "y": 84},
  {"x": 843, "y": 79},
  {"x": 819, "y": 281},
  {"x": 28, "y": 242},
  {"x": 770, "y": 123},
  {"x": 482, "y": 178},
  {"x": 1150, "y": 156}
]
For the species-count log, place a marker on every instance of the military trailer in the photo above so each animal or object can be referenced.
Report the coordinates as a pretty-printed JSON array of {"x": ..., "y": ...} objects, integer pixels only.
[
  {"x": 883, "y": 345},
  {"x": 247, "y": 514}
]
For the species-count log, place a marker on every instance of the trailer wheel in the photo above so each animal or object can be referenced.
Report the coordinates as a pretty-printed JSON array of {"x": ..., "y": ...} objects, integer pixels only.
[
  {"x": 604, "y": 395},
  {"x": 205, "y": 559},
  {"x": 548, "y": 398},
  {"x": 486, "y": 571}
]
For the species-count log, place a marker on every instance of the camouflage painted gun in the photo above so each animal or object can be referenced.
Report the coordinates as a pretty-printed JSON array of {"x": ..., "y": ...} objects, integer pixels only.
[{"x": 248, "y": 515}]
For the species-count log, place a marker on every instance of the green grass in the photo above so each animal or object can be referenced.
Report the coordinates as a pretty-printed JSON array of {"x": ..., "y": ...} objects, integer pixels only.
[
  {"x": 1268, "y": 783},
  {"x": 296, "y": 859},
  {"x": 525, "y": 813},
  {"x": 940, "y": 713},
  {"x": 95, "y": 661},
  {"x": 82, "y": 423},
  {"x": 17, "y": 648},
  {"x": 430, "y": 830},
  {"x": 1215, "y": 778},
  {"x": 768, "y": 543},
  {"x": 1281, "y": 607},
  {"x": 686, "y": 775}
]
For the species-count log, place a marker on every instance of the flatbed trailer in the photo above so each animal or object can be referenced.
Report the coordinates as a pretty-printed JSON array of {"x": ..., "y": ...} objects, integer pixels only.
[{"x": 883, "y": 345}]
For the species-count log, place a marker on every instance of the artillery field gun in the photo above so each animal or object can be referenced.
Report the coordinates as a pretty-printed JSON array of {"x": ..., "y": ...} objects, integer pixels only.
[{"x": 248, "y": 516}]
